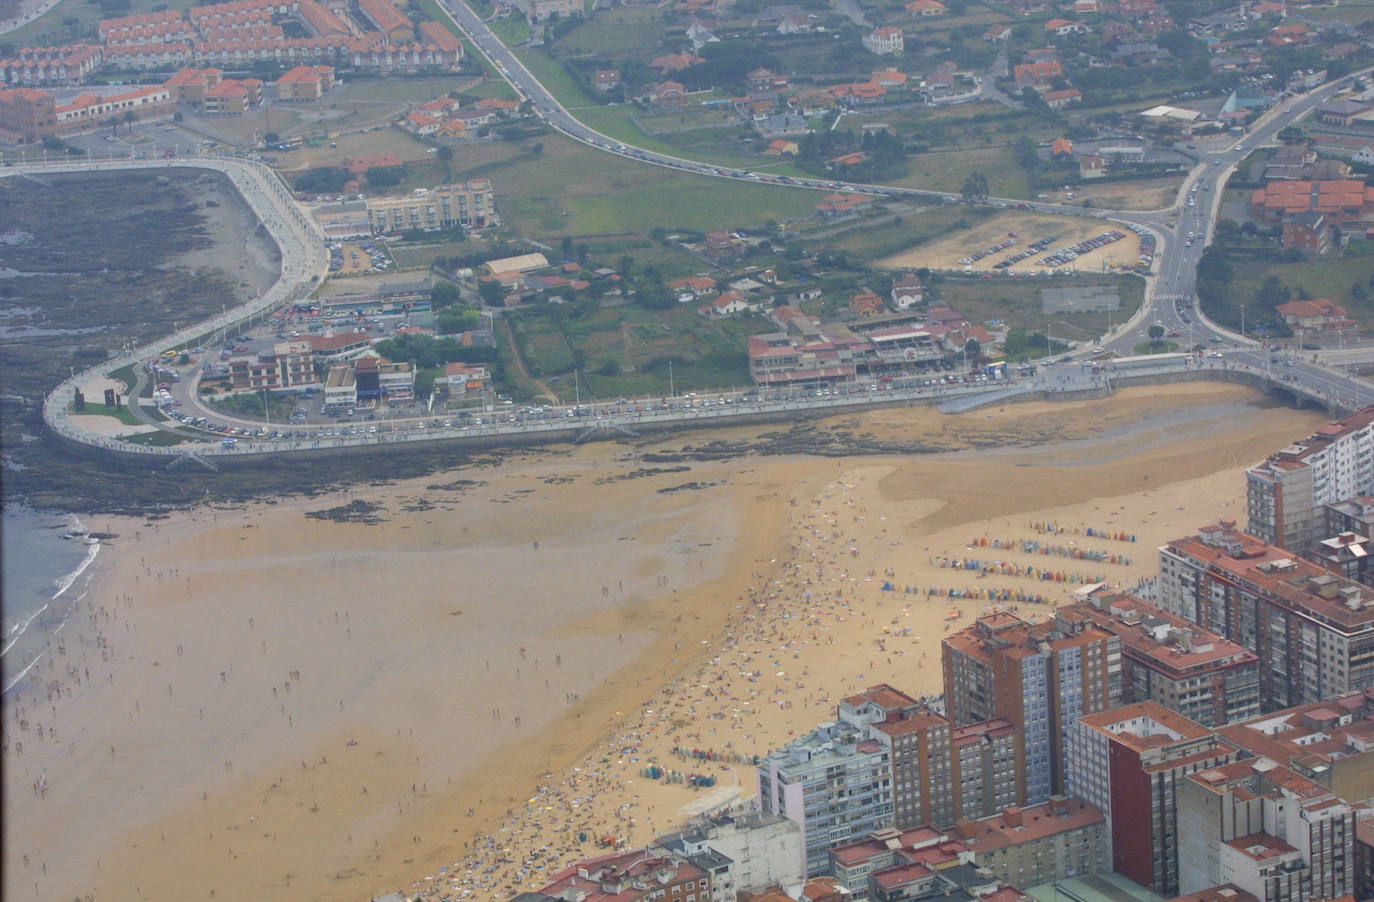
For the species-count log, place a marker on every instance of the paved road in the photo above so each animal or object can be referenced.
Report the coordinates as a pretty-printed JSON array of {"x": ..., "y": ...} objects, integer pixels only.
[{"x": 1170, "y": 301}]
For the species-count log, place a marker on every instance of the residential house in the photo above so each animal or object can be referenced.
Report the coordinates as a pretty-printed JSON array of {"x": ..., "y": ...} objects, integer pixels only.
[
  {"x": 997, "y": 34},
  {"x": 1037, "y": 75},
  {"x": 922, "y": 9},
  {"x": 304, "y": 84},
  {"x": 867, "y": 304},
  {"x": 885, "y": 40},
  {"x": 1092, "y": 166},
  {"x": 1057, "y": 100},
  {"x": 462, "y": 379},
  {"x": 1315, "y": 315},
  {"x": 1061, "y": 148},
  {"x": 907, "y": 291},
  {"x": 606, "y": 79},
  {"x": 781, "y": 147},
  {"x": 668, "y": 94},
  {"x": 674, "y": 62},
  {"x": 728, "y": 304},
  {"x": 1065, "y": 27},
  {"x": 1309, "y": 232}
]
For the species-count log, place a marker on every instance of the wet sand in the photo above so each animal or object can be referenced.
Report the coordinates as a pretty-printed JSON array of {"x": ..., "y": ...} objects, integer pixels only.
[{"x": 257, "y": 704}]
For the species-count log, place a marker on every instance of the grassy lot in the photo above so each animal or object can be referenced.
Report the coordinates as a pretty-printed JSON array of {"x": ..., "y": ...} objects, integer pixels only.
[
  {"x": 571, "y": 189},
  {"x": 1332, "y": 279},
  {"x": 598, "y": 38},
  {"x": 1016, "y": 302},
  {"x": 160, "y": 438},
  {"x": 123, "y": 414},
  {"x": 359, "y": 144},
  {"x": 400, "y": 90},
  {"x": 511, "y": 29},
  {"x": 928, "y": 224},
  {"x": 554, "y": 77},
  {"x": 624, "y": 350},
  {"x": 946, "y": 171}
]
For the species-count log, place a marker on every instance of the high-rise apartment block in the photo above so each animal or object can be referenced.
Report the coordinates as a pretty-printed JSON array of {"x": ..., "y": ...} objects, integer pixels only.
[
  {"x": 1165, "y": 658},
  {"x": 1273, "y": 833},
  {"x": 1128, "y": 763},
  {"x": 1286, "y": 494},
  {"x": 1040, "y": 677},
  {"x": 835, "y": 783},
  {"x": 1313, "y": 631}
]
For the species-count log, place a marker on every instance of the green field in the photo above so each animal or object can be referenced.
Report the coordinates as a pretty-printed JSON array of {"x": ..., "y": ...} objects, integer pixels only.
[
  {"x": 625, "y": 350},
  {"x": 571, "y": 189},
  {"x": 596, "y": 38},
  {"x": 1016, "y": 302}
]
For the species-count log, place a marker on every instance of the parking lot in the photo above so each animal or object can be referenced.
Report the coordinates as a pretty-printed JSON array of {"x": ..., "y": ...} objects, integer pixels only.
[{"x": 357, "y": 258}]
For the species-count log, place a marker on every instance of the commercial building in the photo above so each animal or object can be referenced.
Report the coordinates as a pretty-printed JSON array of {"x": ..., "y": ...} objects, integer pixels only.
[
  {"x": 1040, "y": 677},
  {"x": 287, "y": 365},
  {"x": 1313, "y": 631},
  {"x": 1059, "y": 840},
  {"x": 470, "y": 205},
  {"x": 1165, "y": 658},
  {"x": 1285, "y": 494},
  {"x": 1269, "y": 831},
  {"x": 1128, "y": 763}
]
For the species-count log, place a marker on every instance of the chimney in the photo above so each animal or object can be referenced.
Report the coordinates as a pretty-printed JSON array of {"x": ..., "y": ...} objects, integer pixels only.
[
  {"x": 1350, "y": 595},
  {"x": 1012, "y": 816},
  {"x": 966, "y": 828},
  {"x": 1059, "y": 805}
]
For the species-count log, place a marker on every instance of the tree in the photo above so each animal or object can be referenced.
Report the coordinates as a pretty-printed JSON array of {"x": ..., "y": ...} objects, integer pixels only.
[
  {"x": 445, "y": 155},
  {"x": 443, "y": 294},
  {"x": 975, "y": 188},
  {"x": 1156, "y": 333},
  {"x": 1273, "y": 292},
  {"x": 385, "y": 176},
  {"x": 271, "y": 138},
  {"x": 972, "y": 348},
  {"x": 492, "y": 292},
  {"x": 130, "y": 117}
]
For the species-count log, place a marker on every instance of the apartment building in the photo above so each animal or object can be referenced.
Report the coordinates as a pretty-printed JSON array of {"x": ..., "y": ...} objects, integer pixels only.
[
  {"x": 1286, "y": 494},
  {"x": 1040, "y": 677},
  {"x": 471, "y": 205},
  {"x": 1165, "y": 658},
  {"x": 1312, "y": 631},
  {"x": 835, "y": 783},
  {"x": 1346, "y": 554},
  {"x": 1059, "y": 840},
  {"x": 641, "y": 874},
  {"x": 760, "y": 850},
  {"x": 1330, "y": 742},
  {"x": 1269, "y": 831},
  {"x": 28, "y": 112},
  {"x": 387, "y": 19},
  {"x": 304, "y": 84},
  {"x": 854, "y": 862},
  {"x": 1128, "y": 763}
]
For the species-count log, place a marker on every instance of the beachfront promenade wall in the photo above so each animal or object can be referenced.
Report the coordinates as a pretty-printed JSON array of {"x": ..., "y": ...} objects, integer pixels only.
[
  {"x": 300, "y": 246},
  {"x": 437, "y": 442}
]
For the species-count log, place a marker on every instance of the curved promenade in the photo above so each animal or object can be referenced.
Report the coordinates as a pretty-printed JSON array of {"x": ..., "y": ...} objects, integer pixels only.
[{"x": 304, "y": 262}]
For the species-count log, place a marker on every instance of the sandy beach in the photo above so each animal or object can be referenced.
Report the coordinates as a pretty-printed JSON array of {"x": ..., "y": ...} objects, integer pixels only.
[{"x": 256, "y": 704}]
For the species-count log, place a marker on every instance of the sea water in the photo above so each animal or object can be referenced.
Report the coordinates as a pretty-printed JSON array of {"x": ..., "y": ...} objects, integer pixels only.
[{"x": 47, "y": 559}]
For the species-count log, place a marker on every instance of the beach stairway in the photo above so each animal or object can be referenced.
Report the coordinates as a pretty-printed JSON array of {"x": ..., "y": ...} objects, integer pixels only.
[
  {"x": 192, "y": 457},
  {"x": 984, "y": 399}
]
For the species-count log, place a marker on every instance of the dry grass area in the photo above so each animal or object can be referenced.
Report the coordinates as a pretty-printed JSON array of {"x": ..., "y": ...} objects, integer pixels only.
[
  {"x": 1150, "y": 194},
  {"x": 1026, "y": 227}
]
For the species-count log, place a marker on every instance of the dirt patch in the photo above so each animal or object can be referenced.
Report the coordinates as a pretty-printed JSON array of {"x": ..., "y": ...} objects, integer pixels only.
[{"x": 1022, "y": 228}]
